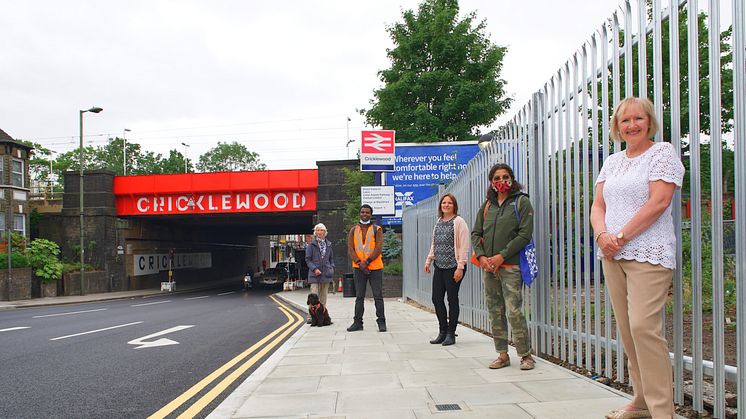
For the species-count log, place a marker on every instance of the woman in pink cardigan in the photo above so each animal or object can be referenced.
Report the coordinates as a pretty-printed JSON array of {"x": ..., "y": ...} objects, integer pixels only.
[{"x": 449, "y": 252}]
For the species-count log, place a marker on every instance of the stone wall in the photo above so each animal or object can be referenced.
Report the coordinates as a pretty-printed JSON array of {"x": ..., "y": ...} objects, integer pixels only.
[
  {"x": 330, "y": 207},
  {"x": 20, "y": 285}
]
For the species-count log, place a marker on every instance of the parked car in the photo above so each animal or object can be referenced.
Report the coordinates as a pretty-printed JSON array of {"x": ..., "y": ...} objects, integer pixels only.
[
  {"x": 272, "y": 277},
  {"x": 291, "y": 267}
]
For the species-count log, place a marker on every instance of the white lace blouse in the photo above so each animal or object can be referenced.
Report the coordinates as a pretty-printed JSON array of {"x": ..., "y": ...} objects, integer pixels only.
[{"x": 626, "y": 187}]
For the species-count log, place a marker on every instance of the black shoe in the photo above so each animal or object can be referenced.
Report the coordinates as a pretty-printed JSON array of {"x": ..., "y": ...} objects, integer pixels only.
[
  {"x": 449, "y": 340},
  {"x": 355, "y": 327},
  {"x": 381, "y": 327},
  {"x": 308, "y": 320},
  {"x": 438, "y": 340}
]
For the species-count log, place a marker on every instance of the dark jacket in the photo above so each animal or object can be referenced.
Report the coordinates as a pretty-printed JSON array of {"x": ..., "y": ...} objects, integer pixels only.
[
  {"x": 500, "y": 231},
  {"x": 314, "y": 261}
]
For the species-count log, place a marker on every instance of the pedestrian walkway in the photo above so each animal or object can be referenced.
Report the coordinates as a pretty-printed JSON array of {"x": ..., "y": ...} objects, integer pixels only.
[{"x": 329, "y": 372}]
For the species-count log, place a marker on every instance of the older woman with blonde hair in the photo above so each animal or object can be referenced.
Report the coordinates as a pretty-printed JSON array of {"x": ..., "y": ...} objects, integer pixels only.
[
  {"x": 634, "y": 230},
  {"x": 320, "y": 261}
]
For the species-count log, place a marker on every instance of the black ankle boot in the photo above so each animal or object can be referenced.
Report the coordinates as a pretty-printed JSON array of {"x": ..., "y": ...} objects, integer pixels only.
[
  {"x": 449, "y": 340},
  {"x": 441, "y": 337}
]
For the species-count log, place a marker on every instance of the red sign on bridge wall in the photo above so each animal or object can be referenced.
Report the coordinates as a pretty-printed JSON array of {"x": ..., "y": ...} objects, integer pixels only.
[{"x": 226, "y": 192}]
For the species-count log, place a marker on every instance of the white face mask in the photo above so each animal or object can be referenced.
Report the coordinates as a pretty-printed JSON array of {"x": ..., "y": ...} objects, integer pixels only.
[{"x": 364, "y": 222}]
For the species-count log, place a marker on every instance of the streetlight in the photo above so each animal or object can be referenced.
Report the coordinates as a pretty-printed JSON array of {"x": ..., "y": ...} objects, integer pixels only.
[
  {"x": 485, "y": 140},
  {"x": 94, "y": 109},
  {"x": 185, "y": 156},
  {"x": 348, "y": 137},
  {"x": 124, "y": 150}
]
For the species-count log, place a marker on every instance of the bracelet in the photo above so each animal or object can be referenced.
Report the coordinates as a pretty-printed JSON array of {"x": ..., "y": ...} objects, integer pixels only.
[{"x": 599, "y": 235}]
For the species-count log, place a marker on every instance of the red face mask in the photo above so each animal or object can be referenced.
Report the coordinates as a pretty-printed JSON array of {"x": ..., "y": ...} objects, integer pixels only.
[{"x": 502, "y": 186}]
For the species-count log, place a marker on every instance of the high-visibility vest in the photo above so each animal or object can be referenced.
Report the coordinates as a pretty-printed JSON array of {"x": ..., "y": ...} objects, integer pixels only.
[{"x": 365, "y": 249}]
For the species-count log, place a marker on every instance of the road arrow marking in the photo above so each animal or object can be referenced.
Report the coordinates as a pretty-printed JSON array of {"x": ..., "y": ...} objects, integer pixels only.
[
  {"x": 10, "y": 329},
  {"x": 158, "y": 342}
]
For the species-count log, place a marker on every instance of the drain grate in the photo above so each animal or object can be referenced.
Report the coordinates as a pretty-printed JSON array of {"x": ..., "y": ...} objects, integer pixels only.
[{"x": 447, "y": 407}]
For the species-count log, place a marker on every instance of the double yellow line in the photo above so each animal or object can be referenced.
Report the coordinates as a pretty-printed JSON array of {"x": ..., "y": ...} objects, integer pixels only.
[{"x": 293, "y": 319}]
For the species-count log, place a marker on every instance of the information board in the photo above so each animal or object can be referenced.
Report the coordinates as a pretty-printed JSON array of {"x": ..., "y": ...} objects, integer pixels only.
[{"x": 420, "y": 168}]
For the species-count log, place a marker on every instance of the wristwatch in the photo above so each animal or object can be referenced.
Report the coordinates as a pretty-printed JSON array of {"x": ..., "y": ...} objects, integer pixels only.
[{"x": 620, "y": 235}]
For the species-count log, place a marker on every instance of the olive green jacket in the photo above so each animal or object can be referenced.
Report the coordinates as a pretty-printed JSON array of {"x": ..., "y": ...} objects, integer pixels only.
[{"x": 500, "y": 231}]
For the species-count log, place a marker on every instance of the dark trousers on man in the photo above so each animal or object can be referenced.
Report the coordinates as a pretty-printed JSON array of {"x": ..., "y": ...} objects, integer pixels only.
[
  {"x": 376, "y": 285},
  {"x": 443, "y": 283}
]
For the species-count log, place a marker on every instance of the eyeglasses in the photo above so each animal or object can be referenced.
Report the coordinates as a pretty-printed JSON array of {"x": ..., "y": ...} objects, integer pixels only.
[{"x": 505, "y": 177}]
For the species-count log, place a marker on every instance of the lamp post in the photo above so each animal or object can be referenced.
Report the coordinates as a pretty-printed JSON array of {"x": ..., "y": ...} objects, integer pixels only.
[
  {"x": 124, "y": 151},
  {"x": 186, "y": 160},
  {"x": 485, "y": 140},
  {"x": 82, "y": 248},
  {"x": 348, "y": 138}
]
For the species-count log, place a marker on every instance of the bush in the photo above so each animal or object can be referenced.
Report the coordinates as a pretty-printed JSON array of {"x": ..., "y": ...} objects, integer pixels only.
[
  {"x": 43, "y": 256},
  {"x": 19, "y": 260},
  {"x": 391, "y": 245},
  {"x": 393, "y": 267}
]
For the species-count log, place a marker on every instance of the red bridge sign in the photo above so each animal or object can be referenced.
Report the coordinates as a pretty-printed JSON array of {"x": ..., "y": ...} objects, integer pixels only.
[{"x": 204, "y": 193}]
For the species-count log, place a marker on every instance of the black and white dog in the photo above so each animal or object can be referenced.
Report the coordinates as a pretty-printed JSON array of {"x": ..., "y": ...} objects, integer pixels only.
[{"x": 319, "y": 313}]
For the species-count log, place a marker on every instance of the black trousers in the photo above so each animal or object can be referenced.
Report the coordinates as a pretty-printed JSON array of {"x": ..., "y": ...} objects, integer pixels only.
[
  {"x": 443, "y": 283},
  {"x": 376, "y": 285}
]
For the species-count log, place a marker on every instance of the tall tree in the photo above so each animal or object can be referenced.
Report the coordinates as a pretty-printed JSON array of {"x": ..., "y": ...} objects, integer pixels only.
[
  {"x": 229, "y": 157},
  {"x": 174, "y": 163},
  {"x": 444, "y": 79}
]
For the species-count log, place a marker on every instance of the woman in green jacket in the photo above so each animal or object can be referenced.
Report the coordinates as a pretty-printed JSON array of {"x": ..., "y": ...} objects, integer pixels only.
[{"x": 503, "y": 227}]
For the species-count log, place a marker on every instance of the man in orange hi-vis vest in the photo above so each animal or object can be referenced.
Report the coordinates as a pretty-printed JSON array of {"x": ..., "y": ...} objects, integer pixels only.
[{"x": 364, "y": 245}]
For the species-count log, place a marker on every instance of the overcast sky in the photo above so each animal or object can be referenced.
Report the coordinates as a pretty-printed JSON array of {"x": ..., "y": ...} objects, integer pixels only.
[{"x": 279, "y": 77}]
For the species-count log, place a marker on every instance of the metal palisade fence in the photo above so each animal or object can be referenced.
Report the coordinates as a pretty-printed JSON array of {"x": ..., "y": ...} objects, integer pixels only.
[{"x": 557, "y": 143}]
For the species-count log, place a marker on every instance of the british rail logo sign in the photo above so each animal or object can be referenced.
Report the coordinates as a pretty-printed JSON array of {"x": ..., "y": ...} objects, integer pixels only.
[{"x": 377, "y": 151}]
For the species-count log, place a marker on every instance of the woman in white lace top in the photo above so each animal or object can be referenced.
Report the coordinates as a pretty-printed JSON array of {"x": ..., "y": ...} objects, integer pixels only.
[{"x": 633, "y": 226}]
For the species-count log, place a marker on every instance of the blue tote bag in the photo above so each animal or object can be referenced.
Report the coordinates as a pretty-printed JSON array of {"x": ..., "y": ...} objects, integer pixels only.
[{"x": 529, "y": 267}]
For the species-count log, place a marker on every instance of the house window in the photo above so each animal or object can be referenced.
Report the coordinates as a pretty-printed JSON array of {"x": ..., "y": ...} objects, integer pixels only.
[
  {"x": 19, "y": 224},
  {"x": 17, "y": 173},
  {"x": 2, "y": 226},
  {"x": 2, "y": 171}
]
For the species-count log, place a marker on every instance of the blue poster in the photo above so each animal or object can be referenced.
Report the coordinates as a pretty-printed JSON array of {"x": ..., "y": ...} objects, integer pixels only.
[{"x": 421, "y": 167}]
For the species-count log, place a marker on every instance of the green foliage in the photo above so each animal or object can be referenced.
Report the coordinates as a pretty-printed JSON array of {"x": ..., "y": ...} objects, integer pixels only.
[
  {"x": 391, "y": 244},
  {"x": 444, "y": 80},
  {"x": 19, "y": 260},
  {"x": 729, "y": 271},
  {"x": 354, "y": 179},
  {"x": 393, "y": 267},
  {"x": 726, "y": 71},
  {"x": 728, "y": 169},
  {"x": 229, "y": 157},
  {"x": 43, "y": 256}
]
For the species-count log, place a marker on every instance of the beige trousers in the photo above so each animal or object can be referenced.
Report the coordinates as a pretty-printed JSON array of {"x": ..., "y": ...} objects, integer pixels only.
[
  {"x": 638, "y": 293},
  {"x": 322, "y": 289}
]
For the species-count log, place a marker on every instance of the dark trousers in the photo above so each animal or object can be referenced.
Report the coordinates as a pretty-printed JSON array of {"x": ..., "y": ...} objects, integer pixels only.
[
  {"x": 443, "y": 283},
  {"x": 376, "y": 285}
]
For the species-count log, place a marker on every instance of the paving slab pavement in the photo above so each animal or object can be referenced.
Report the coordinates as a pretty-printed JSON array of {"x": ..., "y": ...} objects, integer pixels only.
[{"x": 327, "y": 372}]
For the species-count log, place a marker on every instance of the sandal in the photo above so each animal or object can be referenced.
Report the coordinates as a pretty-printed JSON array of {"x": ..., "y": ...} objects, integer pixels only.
[
  {"x": 527, "y": 363},
  {"x": 500, "y": 362},
  {"x": 628, "y": 414}
]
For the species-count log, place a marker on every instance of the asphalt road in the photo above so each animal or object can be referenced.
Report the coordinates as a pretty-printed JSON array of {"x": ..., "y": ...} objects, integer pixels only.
[{"x": 118, "y": 359}]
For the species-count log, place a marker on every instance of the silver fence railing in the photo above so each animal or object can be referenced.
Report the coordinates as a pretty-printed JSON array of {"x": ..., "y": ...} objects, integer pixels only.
[{"x": 557, "y": 143}]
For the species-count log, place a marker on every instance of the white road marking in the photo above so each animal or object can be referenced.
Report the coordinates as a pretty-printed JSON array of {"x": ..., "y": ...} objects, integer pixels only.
[
  {"x": 95, "y": 331},
  {"x": 10, "y": 329},
  {"x": 150, "y": 304},
  {"x": 226, "y": 293},
  {"x": 158, "y": 342},
  {"x": 68, "y": 313},
  {"x": 197, "y": 298}
]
